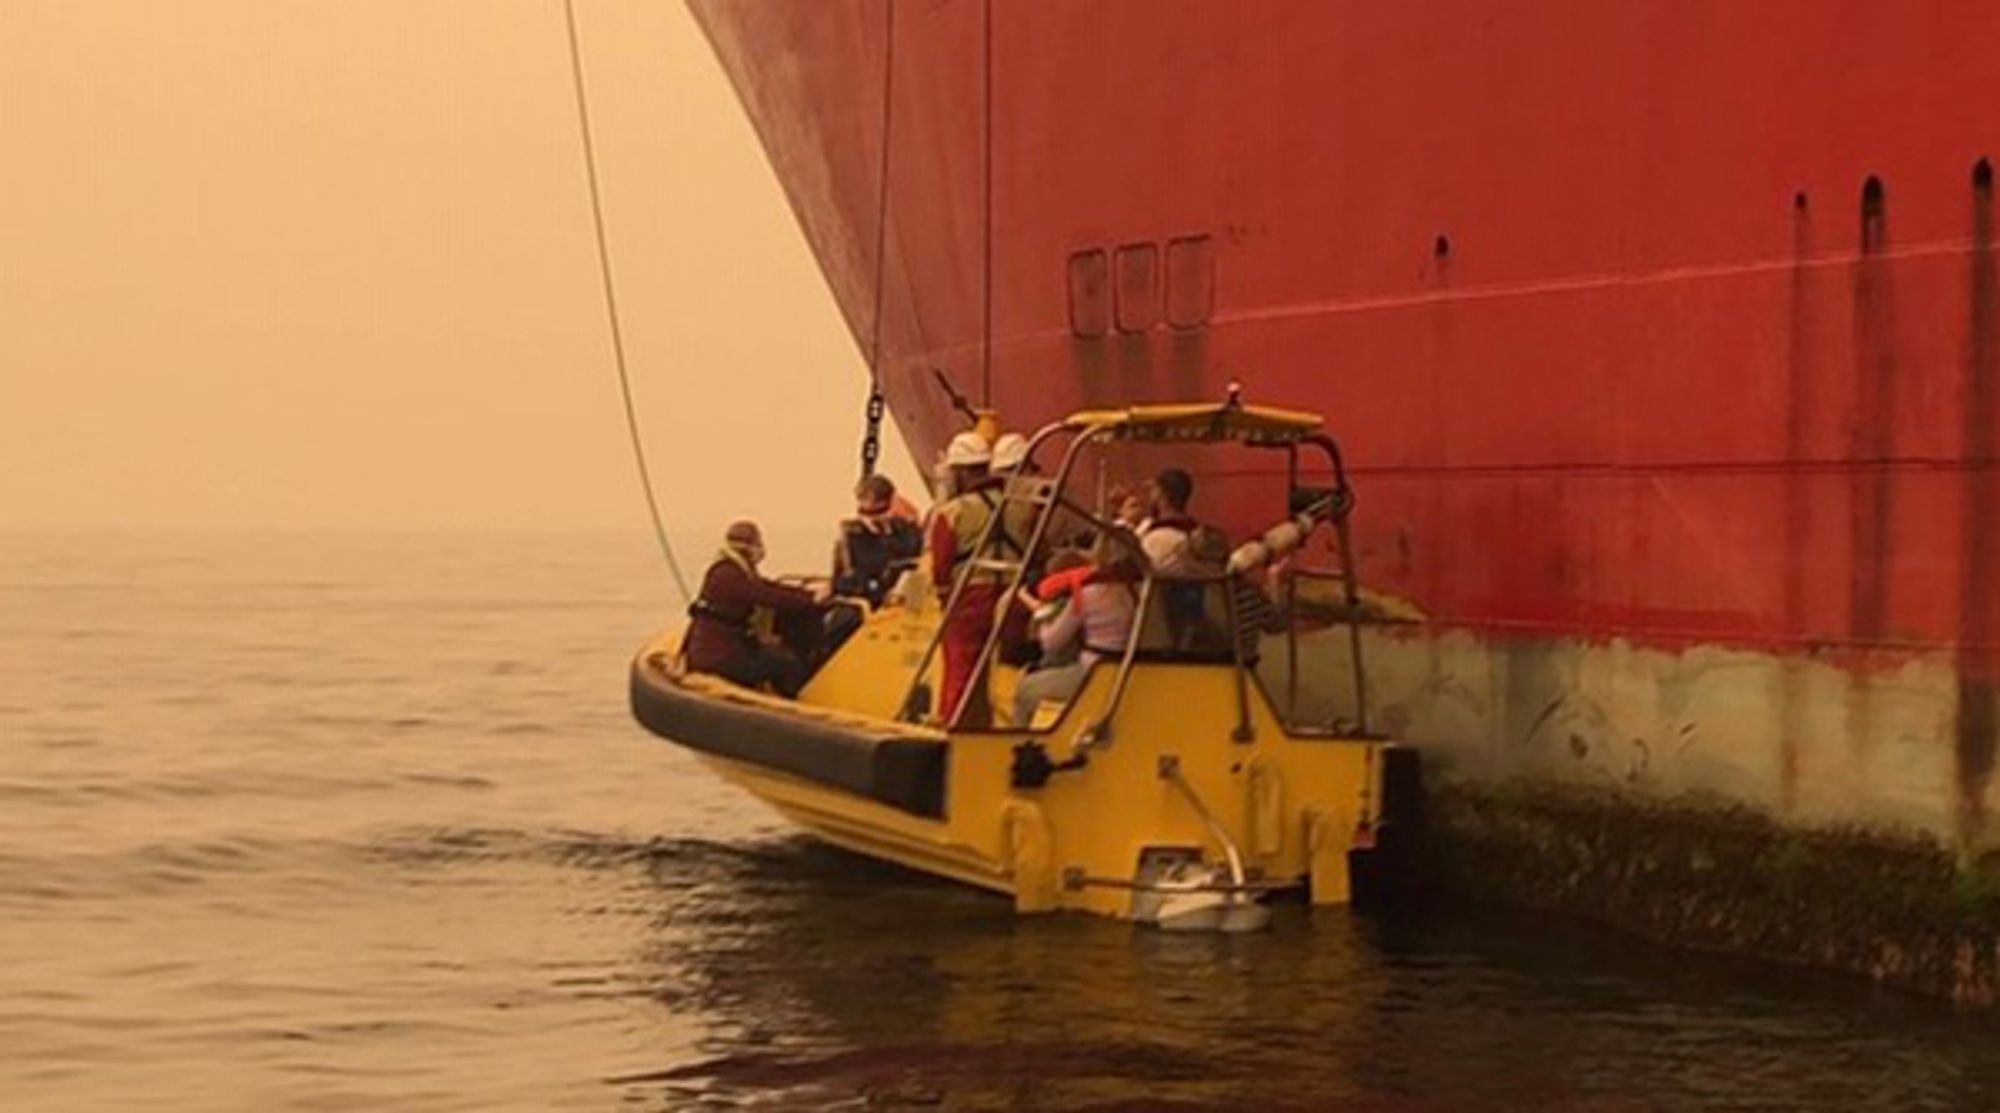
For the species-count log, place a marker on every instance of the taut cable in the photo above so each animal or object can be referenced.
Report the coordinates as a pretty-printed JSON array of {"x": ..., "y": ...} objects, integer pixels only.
[{"x": 611, "y": 303}]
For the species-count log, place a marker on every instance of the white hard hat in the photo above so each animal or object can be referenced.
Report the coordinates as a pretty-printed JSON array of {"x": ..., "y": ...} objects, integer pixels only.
[
  {"x": 968, "y": 450},
  {"x": 1009, "y": 451}
]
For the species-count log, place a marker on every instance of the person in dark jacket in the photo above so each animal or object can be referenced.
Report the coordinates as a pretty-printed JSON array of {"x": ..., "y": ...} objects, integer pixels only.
[
  {"x": 723, "y": 639},
  {"x": 877, "y": 545}
]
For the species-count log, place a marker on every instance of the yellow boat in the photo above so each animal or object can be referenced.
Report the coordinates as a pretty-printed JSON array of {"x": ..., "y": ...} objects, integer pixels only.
[{"x": 1173, "y": 788}]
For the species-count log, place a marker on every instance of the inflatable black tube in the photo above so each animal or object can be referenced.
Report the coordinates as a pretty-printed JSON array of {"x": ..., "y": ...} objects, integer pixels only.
[{"x": 905, "y": 773}]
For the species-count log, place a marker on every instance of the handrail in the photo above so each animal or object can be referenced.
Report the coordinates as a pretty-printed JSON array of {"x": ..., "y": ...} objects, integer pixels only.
[
  {"x": 960, "y": 580},
  {"x": 1057, "y": 483},
  {"x": 1342, "y": 513},
  {"x": 963, "y": 578},
  {"x": 1353, "y": 598},
  {"x": 1243, "y": 732},
  {"x": 1291, "y": 602},
  {"x": 1099, "y": 731},
  {"x": 1283, "y": 431},
  {"x": 1170, "y": 770}
]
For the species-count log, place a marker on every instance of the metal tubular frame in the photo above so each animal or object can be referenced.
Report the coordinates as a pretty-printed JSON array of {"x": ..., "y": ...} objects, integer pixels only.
[
  {"x": 1170, "y": 771},
  {"x": 1342, "y": 513},
  {"x": 1291, "y": 601},
  {"x": 1343, "y": 506},
  {"x": 1240, "y": 664},
  {"x": 1057, "y": 483},
  {"x": 1099, "y": 731}
]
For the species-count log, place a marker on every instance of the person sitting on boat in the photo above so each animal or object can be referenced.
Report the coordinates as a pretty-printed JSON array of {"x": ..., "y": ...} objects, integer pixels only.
[
  {"x": 1168, "y": 532},
  {"x": 723, "y": 638},
  {"x": 876, "y": 546},
  {"x": 956, "y": 526},
  {"x": 1099, "y": 605},
  {"x": 1040, "y": 603}
]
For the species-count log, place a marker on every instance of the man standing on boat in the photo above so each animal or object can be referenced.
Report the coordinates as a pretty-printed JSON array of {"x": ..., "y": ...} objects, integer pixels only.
[
  {"x": 723, "y": 639},
  {"x": 955, "y": 529}
]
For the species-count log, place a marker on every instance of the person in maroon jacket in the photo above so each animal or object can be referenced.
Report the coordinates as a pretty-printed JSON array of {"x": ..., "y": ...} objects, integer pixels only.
[{"x": 721, "y": 639}]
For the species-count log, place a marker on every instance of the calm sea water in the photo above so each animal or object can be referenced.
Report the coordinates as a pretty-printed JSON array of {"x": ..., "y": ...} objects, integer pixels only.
[{"x": 360, "y": 822}]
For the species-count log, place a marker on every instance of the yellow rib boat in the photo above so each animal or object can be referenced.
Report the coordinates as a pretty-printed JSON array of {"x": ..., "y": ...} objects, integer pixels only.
[{"x": 1174, "y": 788}]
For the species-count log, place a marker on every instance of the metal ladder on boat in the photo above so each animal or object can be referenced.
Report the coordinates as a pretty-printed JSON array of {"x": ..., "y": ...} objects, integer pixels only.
[
  {"x": 1045, "y": 494},
  {"x": 1020, "y": 490}
]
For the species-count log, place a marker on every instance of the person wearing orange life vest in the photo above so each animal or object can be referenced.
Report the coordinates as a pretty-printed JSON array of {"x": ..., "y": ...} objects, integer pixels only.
[
  {"x": 1098, "y": 603},
  {"x": 956, "y": 526}
]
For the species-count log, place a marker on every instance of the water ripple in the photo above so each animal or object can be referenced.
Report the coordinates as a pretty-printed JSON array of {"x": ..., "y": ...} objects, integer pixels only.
[{"x": 365, "y": 824}]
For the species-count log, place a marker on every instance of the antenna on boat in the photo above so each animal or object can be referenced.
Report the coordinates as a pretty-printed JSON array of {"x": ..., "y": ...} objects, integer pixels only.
[{"x": 611, "y": 302}]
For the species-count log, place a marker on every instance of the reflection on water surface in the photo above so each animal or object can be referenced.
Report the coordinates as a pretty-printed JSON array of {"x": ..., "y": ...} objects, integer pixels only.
[{"x": 327, "y": 823}]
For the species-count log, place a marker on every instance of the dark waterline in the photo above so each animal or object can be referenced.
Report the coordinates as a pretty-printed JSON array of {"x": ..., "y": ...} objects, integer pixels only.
[{"x": 359, "y": 822}]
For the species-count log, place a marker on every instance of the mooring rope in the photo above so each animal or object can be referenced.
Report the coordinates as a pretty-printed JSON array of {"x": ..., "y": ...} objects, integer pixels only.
[{"x": 611, "y": 303}]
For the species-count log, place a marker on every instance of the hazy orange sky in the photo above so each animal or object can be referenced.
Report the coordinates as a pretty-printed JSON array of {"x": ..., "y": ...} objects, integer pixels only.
[{"x": 307, "y": 263}]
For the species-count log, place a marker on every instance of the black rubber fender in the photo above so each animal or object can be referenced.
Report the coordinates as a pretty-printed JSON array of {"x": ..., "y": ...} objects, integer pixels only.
[{"x": 904, "y": 773}]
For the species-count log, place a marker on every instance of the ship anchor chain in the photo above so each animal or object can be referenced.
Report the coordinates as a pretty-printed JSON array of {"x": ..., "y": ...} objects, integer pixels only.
[{"x": 871, "y": 439}]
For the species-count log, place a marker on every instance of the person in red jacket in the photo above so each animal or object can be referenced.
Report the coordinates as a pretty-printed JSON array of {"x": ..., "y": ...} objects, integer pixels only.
[
  {"x": 956, "y": 527},
  {"x": 722, "y": 638}
]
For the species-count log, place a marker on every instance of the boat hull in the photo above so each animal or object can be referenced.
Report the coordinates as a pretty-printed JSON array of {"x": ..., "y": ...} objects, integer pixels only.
[
  {"x": 1172, "y": 776},
  {"x": 1663, "y": 336}
]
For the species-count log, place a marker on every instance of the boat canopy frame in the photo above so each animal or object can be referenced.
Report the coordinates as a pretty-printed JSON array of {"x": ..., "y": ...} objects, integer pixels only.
[{"x": 1257, "y": 427}]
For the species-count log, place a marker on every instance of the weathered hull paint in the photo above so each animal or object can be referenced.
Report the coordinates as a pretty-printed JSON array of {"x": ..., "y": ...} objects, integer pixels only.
[
  {"x": 1660, "y": 335},
  {"x": 1897, "y": 909},
  {"x": 1771, "y": 731}
]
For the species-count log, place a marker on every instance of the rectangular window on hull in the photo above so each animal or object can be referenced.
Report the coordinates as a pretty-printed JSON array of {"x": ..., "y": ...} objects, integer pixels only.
[
  {"x": 1089, "y": 293},
  {"x": 1138, "y": 287},
  {"x": 1190, "y": 282}
]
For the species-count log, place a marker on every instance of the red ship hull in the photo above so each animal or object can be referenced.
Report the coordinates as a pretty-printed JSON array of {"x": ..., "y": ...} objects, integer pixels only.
[{"x": 1662, "y": 336}]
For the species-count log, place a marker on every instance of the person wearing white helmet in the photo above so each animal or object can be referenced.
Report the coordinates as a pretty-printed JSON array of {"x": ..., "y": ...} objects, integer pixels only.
[
  {"x": 1009, "y": 453},
  {"x": 1010, "y": 459},
  {"x": 955, "y": 529}
]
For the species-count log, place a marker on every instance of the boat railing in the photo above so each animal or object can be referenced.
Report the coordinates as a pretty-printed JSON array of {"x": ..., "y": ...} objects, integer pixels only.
[
  {"x": 1021, "y": 488},
  {"x": 1267, "y": 430}
]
